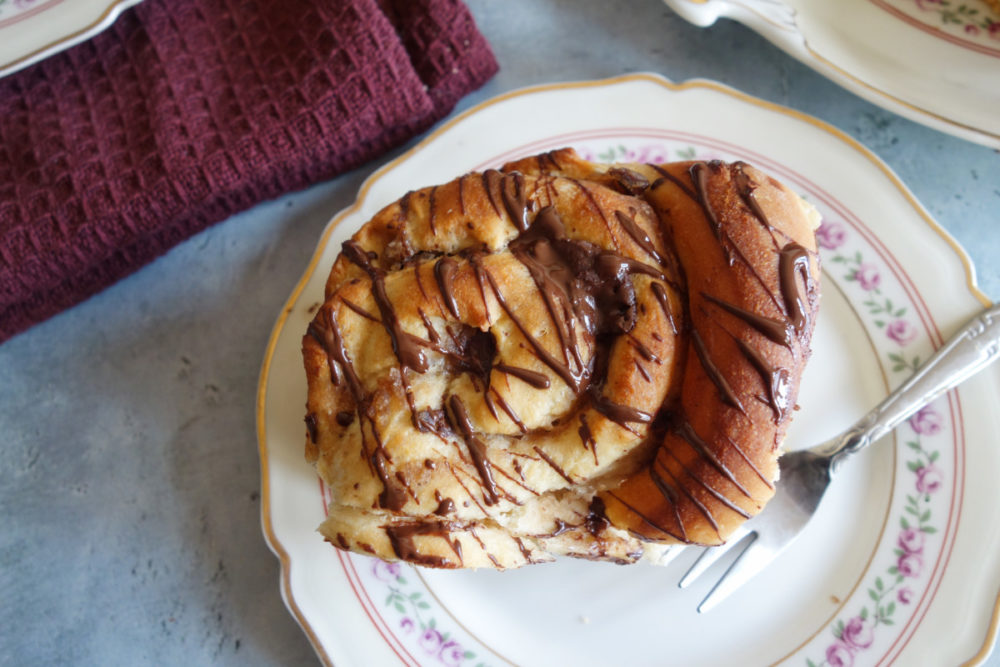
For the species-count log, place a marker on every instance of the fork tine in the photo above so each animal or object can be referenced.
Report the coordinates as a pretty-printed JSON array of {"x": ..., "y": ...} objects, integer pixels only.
[
  {"x": 669, "y": 555},
  {"x": 709, "y": 556},
  {"x": 752, "y": 560}
]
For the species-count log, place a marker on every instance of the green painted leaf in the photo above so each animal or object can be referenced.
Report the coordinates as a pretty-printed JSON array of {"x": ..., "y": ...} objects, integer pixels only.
[
  {"x": 933, "y": 456},
  {"x": 930, "y": 530},
  {"x": 423, "y": 605},
  {"x": 872, "y": 594},
  {"x": 400, "y": 608},
  {"x": 913, "y": 466},
  {"x": 878, "y": 583},
  {"x": 891, "y": 609},
  {"x": 401, "y": 580},
  {"x": 904, "y": 524},
  {"x": 925, "y": 516}
]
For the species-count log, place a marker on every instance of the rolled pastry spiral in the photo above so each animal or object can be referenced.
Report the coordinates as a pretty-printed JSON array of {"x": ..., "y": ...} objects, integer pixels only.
[{"x": 560, "y": 358}]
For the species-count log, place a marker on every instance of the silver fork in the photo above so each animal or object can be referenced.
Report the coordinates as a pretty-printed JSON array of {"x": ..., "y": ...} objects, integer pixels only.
[{"x": 806, "y": 474}]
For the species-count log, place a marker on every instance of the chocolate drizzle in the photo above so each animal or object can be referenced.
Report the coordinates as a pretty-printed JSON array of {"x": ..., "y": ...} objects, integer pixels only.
[
  {"x": 444, "y": 273},
  {"x": 620, "y": 414},
  {"x": 793, "y": 262},
  {"x": 778, "y": 331},
  {"x": 630, "y": 181},
  {"x": 660, "y": 292},
  {"x": 700, "y": 172},
  {"x": 775, "y": 380},
  {"x": 687, "y": 433},
  {"x": 510, "y": 189},
  {"x": 714, "y": 374},
  {"x": 406, "y": 346},
  {"x": 745, "y": 187},
  {"x": 533, "y": 378},
  {"x": 476, "y": 449},
  {"x": 552, "y": 464},
  {"x": 311, "y": 428},
  {"x": 667, "y": 177},
  {"x": 639, "y": 236},
  {"x": 403, "y": 545},
  {"x": 586, "y": 437},
  {"x": 705, "y": 512},
  {"x": 326, "y": 332}
]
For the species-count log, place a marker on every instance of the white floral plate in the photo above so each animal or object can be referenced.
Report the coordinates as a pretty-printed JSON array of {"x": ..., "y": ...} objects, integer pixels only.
[
  {"x": 936, "y": 62},
  {"x": 31, "y": 30},
  {"x": 903, "y": 552}
]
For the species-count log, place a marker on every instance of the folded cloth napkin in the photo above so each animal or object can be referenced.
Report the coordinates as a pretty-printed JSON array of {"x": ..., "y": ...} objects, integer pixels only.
[{"x": 187, "y": 111}]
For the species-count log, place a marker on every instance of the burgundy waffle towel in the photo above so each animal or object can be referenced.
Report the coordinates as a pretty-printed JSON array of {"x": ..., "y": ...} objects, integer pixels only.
[{"x": 187, "y": 111}]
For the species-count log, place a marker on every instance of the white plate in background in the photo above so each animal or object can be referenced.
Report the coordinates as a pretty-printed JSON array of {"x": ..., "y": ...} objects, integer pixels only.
[
  {"x": 31, "y": 30},
  {"x": 934, "y": 63}
]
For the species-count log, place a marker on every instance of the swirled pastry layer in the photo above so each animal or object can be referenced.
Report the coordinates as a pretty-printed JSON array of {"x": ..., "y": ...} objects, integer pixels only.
[{"x": 560, "y": 358}]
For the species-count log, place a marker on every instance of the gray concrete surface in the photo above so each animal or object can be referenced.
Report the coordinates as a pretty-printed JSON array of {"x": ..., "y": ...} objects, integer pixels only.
[{"x": 129, "y": 479}]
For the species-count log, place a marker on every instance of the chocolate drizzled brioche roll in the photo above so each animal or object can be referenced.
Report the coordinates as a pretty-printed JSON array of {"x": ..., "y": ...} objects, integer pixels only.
[{"x": 560, "y": 358}]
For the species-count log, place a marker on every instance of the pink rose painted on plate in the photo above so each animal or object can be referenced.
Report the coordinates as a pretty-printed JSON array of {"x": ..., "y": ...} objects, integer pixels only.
[
  {"x": 385, "y": 571},
  {"x": 831, "y": 235},
  {"x": 926, "y": 421},
  {"x": 451, "y": 654},
  {"x": 905, "y": 595},
  {"x": 839, "y": 655},
  {"x": 909, "y": 565},
  {"x": 858, "y": 633},
  {"x": 868, "y": 277},
  {"x": 431, "y": 641},
  {"x": 969, "y": 22},
  {"x": 901, "y": 331},
  {"x": 929, "y": 479},
  {"x": 911, "y": 541}
]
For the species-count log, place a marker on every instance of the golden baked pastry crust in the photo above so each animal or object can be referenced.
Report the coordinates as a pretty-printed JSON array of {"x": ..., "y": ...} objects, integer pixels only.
[{"x": 560, "y": 357}]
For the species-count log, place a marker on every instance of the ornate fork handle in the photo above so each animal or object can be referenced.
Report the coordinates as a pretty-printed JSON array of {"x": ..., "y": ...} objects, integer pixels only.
[{"x": 971, "y": 349}]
